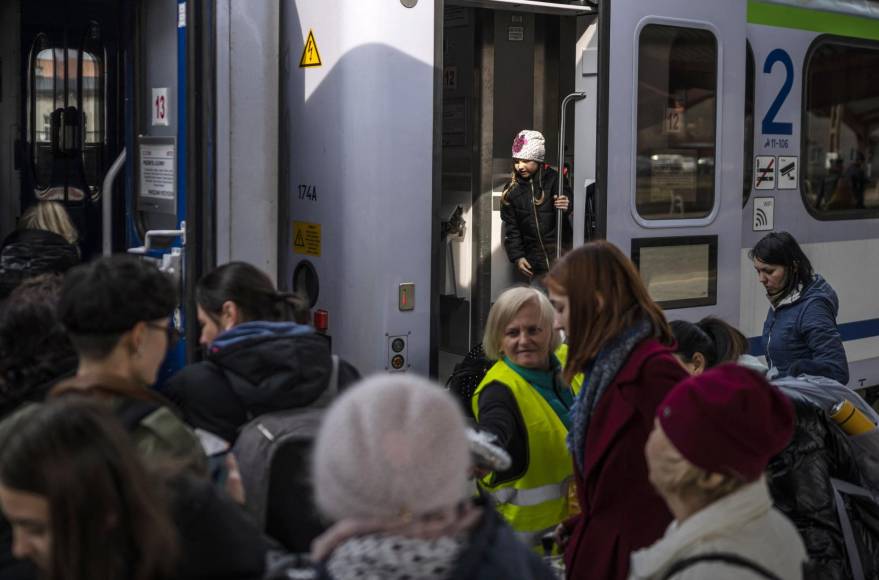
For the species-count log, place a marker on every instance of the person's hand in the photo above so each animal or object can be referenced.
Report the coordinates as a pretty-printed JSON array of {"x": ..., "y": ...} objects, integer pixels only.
[
  {"x": 524, "y": 267},
  {"x": 477, "y": 472},
  {"x": 234, "y": 484},
  {"x": 561, "y": 535},
  {"x": 562, "y": 202}
]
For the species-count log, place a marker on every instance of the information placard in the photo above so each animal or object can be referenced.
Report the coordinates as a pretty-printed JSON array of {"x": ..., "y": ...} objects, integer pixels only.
[{"x": 157, "y": 168}]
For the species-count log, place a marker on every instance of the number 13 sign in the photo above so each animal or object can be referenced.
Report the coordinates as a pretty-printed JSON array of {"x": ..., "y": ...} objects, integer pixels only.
[{"x": 161, "y": 106}]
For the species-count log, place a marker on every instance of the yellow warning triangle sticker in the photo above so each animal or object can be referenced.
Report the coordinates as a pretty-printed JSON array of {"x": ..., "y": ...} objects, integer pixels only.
[
  {"x": 310, "y": 55},
  {"x": 299, "y": 242}
]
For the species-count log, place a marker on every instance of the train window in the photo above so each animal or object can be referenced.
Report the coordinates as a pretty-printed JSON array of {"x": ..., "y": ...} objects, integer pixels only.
[
  {"x": 677, "y": 118},
  {"x": 679, "y": 272},
  {"x": 748, "y": 158},
  {"x": 92, "y": 95},
  {"x": 66, "y": 114},
  {"x": 841, "y": 130}
]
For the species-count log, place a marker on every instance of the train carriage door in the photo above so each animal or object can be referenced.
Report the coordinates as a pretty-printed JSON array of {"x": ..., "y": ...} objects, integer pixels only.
[
  {"x": 670, "y": 147},
  {"x": 69, "y": 65},
  {"x": 506, "y": 66}
]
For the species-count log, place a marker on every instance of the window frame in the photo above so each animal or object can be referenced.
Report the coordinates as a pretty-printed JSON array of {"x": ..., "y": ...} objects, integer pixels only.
[
  {"x": 665, "y": 242},
  {"x": 817, "y": 43},
  {"x": 718, "y": 123},
  {"x": 748, "y": 153}
]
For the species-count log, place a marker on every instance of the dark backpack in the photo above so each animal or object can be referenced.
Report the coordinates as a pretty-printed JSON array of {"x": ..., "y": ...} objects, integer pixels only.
[
  {"x": 466, "y": 377},
  {"x": 273, "y": 453}
]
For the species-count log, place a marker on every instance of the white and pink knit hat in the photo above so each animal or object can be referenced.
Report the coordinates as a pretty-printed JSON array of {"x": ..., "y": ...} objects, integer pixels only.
[{"x": 529, "y": 145}]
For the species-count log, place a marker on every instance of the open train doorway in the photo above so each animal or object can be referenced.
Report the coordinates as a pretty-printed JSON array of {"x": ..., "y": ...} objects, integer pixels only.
[
  {"x": 59, "y": 108},
  {"x": 505, "y": 67}
]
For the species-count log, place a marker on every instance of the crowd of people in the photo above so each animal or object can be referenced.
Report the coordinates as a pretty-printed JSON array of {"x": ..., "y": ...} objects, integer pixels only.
[{"x": 635, "y": 447}]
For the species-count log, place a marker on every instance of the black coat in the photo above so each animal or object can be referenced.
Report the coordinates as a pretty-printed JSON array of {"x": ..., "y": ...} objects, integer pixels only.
[
  {"x": 243, "y": 379},
  {"x": 28, "y": 253},
  {"x": 493, "y": 552},
  {"x": 218, "y": 540},
  {"x": 799, "y": 480},
  {"x": 530, "y": 229}
]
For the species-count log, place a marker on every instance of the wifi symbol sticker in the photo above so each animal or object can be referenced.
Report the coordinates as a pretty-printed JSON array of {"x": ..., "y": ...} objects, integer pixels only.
[{"x": 764, "y": 214}]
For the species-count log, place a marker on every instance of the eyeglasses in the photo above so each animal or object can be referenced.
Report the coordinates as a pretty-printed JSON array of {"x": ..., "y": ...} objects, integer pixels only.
[{"x": 170, "y": 330}]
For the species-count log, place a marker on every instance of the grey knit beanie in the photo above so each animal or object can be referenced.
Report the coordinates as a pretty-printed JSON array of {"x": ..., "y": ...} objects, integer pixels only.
[{"x": 391, "y": 445}]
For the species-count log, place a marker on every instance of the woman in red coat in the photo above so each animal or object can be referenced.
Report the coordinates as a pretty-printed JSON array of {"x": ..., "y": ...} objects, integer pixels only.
[{"x": 620, "y": 339}]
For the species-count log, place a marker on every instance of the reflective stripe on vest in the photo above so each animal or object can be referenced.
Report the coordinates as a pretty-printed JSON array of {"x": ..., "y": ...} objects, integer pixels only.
[
  {"x": 537, "y": 500},
  {"x": 532, "y": 496}
]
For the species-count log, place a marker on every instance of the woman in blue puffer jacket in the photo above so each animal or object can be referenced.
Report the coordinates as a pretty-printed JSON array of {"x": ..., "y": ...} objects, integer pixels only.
[{"x": 800, "y": 335}]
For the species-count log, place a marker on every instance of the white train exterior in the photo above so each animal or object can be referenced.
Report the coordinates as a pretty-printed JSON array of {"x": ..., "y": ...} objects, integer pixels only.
[{"x": 329, "y": 141}]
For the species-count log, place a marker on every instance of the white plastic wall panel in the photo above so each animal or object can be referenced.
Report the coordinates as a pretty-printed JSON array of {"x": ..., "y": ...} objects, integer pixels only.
[
  {"x": 358, "y": 131},
  {"x": 247, "y": 132}
]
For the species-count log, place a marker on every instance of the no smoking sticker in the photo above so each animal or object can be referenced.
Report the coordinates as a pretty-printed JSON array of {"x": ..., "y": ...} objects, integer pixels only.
[{"x": 764, "y": 172}]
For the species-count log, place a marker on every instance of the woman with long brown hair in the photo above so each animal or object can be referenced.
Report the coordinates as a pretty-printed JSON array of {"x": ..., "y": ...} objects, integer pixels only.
[
  {"x": 81, "y": 505},
  {"x": 84, "y": 506},
  {"x": 621, "y": 341}
]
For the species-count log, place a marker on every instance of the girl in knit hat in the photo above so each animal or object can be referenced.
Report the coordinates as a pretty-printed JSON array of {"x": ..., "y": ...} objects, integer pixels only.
[
  {"x": 391, "y": 468},
  {"x": 529, "y": 207},
  {"x": 712, "y": 438}
]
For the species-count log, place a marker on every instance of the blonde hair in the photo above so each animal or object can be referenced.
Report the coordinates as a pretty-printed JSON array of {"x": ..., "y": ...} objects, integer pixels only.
[
  {"x": 505, "y": 195},
  {"x": 49, "y": 216},
  {"x": 506, "y": 308},
  {"x": 674, "y": 474}
]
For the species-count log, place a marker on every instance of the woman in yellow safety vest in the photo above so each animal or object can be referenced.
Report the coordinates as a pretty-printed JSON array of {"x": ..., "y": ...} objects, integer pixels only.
[{"x": 525, "y": 403}]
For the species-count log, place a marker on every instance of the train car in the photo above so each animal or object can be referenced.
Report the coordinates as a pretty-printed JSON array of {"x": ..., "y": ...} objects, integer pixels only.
[
  {"x": 684, "y": 95},
  {"x": 357, "y": 151}
]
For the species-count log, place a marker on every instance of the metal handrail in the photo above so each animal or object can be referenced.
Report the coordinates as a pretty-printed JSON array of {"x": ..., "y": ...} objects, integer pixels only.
[
  {"x": 559, "y": 214},
  {"x": 107, "y": 203}
]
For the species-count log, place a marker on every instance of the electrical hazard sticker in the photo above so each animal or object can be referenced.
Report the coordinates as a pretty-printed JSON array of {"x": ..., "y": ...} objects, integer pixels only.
[
  {"x": 306, "y": 238},
  {"x": 764, "y": 172},
  {"x": 310, "y": 55}
]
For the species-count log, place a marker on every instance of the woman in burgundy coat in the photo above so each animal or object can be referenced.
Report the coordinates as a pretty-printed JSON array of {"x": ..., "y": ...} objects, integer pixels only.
[{"x": 620, "y": 339}]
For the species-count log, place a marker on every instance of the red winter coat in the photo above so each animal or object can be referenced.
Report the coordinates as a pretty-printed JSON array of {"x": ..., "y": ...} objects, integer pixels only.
[{"x": 621, "y": 510}]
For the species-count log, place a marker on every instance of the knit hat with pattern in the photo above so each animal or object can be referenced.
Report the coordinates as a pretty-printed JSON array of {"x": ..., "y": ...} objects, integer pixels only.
[
  {"x": 530, "y": 146},
  {"x": 391, "y": 446}
]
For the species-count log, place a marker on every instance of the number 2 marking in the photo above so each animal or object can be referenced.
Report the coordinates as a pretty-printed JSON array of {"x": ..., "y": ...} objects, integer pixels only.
[{"x": 769, "y": 125}]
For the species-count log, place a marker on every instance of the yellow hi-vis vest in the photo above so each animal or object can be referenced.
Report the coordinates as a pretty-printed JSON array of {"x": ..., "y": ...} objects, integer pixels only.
[{"x": 537, "y": 501}]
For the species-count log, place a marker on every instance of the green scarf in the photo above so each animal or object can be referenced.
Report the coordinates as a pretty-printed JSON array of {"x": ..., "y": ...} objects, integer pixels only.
[{"x": 556, "y": 393}]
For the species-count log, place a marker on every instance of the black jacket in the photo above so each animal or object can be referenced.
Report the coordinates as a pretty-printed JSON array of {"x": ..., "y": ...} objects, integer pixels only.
[
  {"x": 799, "y": 480},
  {"x": 28, "y": 253},
  {"x": 218, "y": 541},
  {"x": 493, "y": 552},
  {"x": 529, "y": 229},
  {"x": 253, "y": 369}
]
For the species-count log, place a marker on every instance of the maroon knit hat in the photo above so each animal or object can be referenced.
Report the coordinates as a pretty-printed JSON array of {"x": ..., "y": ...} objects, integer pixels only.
[{"x": 727, "y": 420}]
